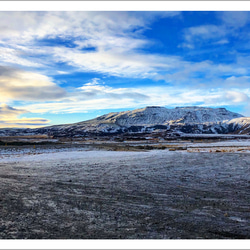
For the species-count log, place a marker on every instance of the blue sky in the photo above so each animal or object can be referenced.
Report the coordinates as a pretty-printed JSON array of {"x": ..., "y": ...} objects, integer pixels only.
[{"x": 64, "y": 67}]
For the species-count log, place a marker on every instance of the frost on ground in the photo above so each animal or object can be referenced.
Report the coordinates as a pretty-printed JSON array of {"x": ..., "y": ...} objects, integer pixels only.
[
  {"x": 230, "y": 146},
  {"x": 80, "y": 194}
]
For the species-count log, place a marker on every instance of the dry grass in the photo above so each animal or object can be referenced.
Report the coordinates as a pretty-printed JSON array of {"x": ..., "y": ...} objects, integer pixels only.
[
  {"x": 172, "y": 149},
  {"x": 217, "y": 149}
]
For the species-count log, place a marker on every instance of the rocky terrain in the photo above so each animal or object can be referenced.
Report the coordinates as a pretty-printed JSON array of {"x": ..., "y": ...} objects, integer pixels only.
[{"x": 188, "y": 120}]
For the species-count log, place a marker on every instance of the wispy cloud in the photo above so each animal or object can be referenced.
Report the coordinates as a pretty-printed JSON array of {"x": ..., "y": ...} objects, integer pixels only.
[
  {"x": 115, "y": 37},
  {"x": 7, "y": 111},
  {"x": 207, "y": 74},
  {"x": 99, "y": 96},
  {"x": 116, "y": 41},
  {"x": 16, "y": 57},
  {"x": 203, "y": 32},
  {"x": 9, "y": 117},
  {"x": 215, "y": 34},
  {"x": 130, "y": 64},
  {"x": 98, "y": 91},
  {"x": 234, "y": 19}
]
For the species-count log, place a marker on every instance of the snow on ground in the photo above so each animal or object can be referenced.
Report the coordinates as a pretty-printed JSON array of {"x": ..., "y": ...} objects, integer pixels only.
[
  {"x": 6, "y": 151},
  {"x": 99, "y": 194},
  {"x": 74, "y": 155},
  {"x": 240, "y": 143},
  {"x": 14, "y": 154},
  {"x": 232, "y": 136},
  {"x": 230, "y": 146}
]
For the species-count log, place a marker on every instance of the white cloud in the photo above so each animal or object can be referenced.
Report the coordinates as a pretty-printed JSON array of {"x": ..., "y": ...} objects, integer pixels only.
[
  {"x": 14, "y": 56},
  {"x": 222, "y": 97},
  {"x": 114, "y": 36},
  {"x": 91, "y": 25},
  {"x": 239, "y": 82},
  {"x": 95, "y": 91},
  {"x": 22, "y": 85},
  {"x": 93, "y": 83},
  {"x": 237, "y": 97},
  {"x": 130, "y": 64},
  {"x": 116, "y": 40}
]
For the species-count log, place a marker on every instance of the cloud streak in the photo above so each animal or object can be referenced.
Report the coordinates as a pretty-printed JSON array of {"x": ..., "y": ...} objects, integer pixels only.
[
  {"x": 9, "y": 117},
  {"x": 216, "y": 34},
  {"x": 99, "y": 96}
]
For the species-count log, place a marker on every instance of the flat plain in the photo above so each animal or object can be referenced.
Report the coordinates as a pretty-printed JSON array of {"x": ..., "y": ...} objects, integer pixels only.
[{"x": 93, "y": 192}]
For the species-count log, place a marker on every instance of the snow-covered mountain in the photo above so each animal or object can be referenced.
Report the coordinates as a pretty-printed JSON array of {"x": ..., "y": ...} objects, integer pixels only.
[
  {"x": 151, "y": 116},
  {"x": 240, "y": 125},
  {"x": 149, "y": 119},
  {"x": 196, "y": 120}
]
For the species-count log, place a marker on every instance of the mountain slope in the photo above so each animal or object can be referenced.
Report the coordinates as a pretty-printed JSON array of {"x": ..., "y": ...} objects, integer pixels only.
[
  {"x": 240, "y": 125},
  {"x": 151, "y": 116},
  {"x": 148, "y": 119}
]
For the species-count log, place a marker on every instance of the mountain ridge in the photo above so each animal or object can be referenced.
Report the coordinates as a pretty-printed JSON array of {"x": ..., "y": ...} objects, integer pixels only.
[{"x": 155, "y": 115}]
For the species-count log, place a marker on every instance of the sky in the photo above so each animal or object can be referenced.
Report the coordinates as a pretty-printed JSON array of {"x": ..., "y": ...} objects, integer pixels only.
[{"x": 60, "y": 67}]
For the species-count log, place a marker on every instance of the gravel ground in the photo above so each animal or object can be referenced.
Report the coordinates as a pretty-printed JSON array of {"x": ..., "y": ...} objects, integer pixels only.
[{"x": 125, "y": 195}]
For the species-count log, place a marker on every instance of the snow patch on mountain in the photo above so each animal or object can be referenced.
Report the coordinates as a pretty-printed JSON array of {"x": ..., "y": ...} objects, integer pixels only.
[{"x": 153, "y": 115}]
